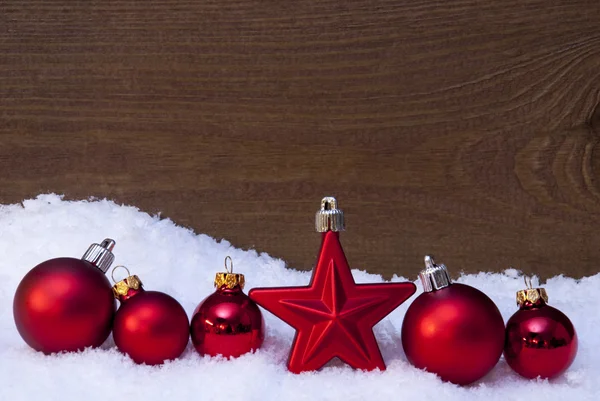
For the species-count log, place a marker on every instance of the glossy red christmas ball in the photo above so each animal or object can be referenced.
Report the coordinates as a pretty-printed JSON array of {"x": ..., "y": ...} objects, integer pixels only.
[
  {"x": 150, "y": 326},
  {"x": 540, "y": 340},
  {"x": 452, "y": 330},
  {"x": 66, "y": 304},
  {"x": 227, "y": 322}
]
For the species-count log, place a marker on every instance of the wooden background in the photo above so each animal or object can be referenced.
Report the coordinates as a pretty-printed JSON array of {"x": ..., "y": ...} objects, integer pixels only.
[{"x": 465, "y": 129}]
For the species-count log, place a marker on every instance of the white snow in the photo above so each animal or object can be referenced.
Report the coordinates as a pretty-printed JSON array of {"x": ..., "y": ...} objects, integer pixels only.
[{"x": 178, "y": 261}]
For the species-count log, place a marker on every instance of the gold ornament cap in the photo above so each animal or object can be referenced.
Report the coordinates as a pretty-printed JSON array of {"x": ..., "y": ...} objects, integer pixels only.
[
  {"x": 329, "y": 218},
  {"x": 530, "y": 295},
  {"x": 131, "y": 282},
  {"x": 229, "y": 279}
]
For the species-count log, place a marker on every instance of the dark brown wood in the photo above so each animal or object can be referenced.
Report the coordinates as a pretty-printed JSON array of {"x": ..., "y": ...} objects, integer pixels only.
[{"x": 465, "y": 129}]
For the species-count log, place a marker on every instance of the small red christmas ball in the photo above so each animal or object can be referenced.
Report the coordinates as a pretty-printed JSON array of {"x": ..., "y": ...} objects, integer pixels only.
[
  {"x": 227, "y": 322},
  {"x": 150, "y": 326},
  {"x": 66, "y": 304},
  {"x": 452, "y": 330},
  {"x": 540, "y": 340}
]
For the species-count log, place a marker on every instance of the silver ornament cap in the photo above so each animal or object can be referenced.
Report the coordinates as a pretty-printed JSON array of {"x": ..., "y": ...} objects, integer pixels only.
[
  {"x": 329, "y": 218},
  {"x": 100, "y": 255},
  {"x": 434, "y": 277}
]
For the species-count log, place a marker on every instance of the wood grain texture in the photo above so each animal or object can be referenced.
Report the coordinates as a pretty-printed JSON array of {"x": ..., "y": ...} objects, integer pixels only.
[{"x": 465, "y": 129}]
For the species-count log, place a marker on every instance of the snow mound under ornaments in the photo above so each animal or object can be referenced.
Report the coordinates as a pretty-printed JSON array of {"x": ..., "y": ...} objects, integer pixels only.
[{"x": 179, "y": 262}]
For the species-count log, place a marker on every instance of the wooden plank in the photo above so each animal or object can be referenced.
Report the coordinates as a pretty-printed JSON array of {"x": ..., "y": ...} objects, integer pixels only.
[{"x": 466, "y": 129}]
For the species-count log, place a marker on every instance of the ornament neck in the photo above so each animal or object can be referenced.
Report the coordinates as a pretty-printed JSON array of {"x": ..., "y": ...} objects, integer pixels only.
[
  {"x": 329, "y": 233},
  {"x": 532, "y": 305},
  {"x": 229, "y": 291},
  {"x": 326, "y": 234},
  {"x": 131, "y": 292}
]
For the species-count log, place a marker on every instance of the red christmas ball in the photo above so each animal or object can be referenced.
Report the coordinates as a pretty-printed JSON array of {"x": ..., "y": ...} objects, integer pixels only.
[
  {"x": 540, "y": 340},
  {"x": 227, "y": 322},
  {"x": 452, "y": 330},
  {"x": 150, "y": 326},
  {"x": 66, "y": 304}
]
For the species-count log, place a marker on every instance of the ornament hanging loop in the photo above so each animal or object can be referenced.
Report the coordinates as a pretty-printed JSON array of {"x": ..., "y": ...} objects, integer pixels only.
[
  {"x": 228, "y": 268},
  {"x": 112, "y": 274},
  {"x": 527, "y": 280},
  {"x": 429, "y": 262},
  {"x": 122, "y": 287}
]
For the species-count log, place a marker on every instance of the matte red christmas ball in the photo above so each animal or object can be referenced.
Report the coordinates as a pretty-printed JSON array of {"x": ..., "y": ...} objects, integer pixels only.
[
  {"x": 452, "y": 330},
  {"x": 540, "y": 340},
  {"x": 227, "y": 322},
  {"x": 150, "y": 326},
  {"x": 66, "y": 304}
]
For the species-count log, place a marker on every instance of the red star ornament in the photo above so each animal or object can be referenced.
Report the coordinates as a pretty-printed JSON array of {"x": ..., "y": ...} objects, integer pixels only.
[{"x": 333, "y": 316}]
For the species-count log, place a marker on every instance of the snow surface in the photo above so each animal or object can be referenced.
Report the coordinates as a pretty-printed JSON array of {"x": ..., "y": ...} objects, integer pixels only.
[{"x": 177, "y": 261}]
